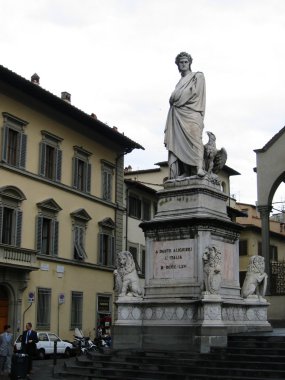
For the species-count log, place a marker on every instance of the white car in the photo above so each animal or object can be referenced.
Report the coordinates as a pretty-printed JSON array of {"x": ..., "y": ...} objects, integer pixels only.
[{"x": 45, "y": 345}]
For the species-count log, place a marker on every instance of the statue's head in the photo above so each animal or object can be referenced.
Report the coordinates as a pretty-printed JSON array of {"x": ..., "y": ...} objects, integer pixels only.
[
  {"x": 125, "y": 261},
  {"x": 256, "y": 264},
  {"x": 181, "y": 55}
]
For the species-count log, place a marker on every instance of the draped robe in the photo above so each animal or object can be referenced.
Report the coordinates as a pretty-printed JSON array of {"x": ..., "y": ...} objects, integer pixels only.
[{"x": 184, "y": 124}]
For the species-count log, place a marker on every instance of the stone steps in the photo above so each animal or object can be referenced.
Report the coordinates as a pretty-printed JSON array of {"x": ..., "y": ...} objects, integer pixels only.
[
  {"x": 212, "y": 360},
  {"x": 245, "y": 358},
  {"x": 162, "y": 373}
]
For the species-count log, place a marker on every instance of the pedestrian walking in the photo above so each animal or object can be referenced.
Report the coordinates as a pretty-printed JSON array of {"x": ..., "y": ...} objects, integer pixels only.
[{"x": 6, "y": 350}]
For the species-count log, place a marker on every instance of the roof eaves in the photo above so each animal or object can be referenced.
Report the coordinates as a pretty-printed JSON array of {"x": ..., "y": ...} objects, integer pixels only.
[
  {"x": 140, "y": 185},
  {"x": 270, "y": 142},
  {"x": 66, "y": 108}
]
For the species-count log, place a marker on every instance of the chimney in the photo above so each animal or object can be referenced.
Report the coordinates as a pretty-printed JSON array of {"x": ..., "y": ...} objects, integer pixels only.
[
  {"x": 115, "y": 129},
  {"x": 66, "y": 96},
  {"x": 35, "y": 79},
  {"x": 94, "y": 116}
]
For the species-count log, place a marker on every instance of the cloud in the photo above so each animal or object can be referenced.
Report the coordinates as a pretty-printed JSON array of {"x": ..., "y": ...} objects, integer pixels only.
[{"x": 116, "y": 58}]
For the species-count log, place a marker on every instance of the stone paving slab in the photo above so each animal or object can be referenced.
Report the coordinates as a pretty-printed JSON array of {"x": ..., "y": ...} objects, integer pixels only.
[{"x": 42, "y": 369}]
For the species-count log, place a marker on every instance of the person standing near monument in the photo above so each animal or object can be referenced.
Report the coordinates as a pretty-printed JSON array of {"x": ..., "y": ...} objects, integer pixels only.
[
  {"x": 185, "y": 122},
  {"x": 6, "y": 349},
  {"x": 29, "y": 347}
]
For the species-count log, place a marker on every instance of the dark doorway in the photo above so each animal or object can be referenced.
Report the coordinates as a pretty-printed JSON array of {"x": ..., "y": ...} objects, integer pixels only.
[{"x": 4, "y": 308}]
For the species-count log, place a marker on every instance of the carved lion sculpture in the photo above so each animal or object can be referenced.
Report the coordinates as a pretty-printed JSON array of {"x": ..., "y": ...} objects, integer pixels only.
[
  {"x": 256, "y": 279},
  {"x": 126, "y": 277},
  {"x": 212, "y": 270}
]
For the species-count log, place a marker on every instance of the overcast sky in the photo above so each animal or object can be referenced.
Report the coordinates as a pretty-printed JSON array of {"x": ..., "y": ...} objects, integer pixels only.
[{"x": 116, "y": 58}]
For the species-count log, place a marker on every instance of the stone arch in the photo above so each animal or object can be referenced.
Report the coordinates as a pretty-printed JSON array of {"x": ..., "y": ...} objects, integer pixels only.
[
  {"x": 270, "y": 169},
  {"x": 274, "y": 187}
]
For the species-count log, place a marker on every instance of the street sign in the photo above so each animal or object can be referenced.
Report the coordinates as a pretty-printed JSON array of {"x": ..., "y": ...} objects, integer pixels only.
[
  {"x": 31, "y": 297},
  {"x": 61, "y": 298}
]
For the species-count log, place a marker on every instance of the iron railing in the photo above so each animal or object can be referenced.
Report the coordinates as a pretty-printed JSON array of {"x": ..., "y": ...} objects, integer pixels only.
[{"x": 277, "y": 278}]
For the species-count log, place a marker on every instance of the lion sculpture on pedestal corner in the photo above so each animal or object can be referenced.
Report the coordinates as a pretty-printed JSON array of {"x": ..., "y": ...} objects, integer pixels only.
[
  {"x": 126, "y": 277},
  {"x": 256, "y": 279}
]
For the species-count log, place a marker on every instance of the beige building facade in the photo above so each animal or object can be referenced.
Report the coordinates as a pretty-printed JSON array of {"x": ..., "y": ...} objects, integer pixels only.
[{"x": 61, "y": 210}]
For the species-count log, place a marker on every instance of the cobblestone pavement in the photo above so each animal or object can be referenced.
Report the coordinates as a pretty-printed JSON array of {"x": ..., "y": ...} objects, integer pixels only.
[{"x": 42, "y": 369}]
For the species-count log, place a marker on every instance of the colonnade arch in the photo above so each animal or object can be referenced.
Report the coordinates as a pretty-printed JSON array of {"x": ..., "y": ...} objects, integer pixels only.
[{"x": 270, "y": 169}]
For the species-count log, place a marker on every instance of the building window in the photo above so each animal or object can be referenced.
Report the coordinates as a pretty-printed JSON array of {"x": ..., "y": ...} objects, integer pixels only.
[
  {"x": 14, "y": 142},
  {"x": 134, "y": 250},
  {"x": 11, "y": 215},
  {"x": 243, "y": 248},
  {"x": 47, "y": 228},
  {"x": 43, "y": 308},
  {"x": 106, "y": 242},
  {"x": 11, "y": 225},
  {"x": 134, "y": 206},
  {"x": 76, "y": 310},
  {"x": 80, "y": 218},
  {"x": 81, "y": 170},
  {"x": 7, "y": 229},
  {"x": 47, "y": 237},
  {"x": 79, "y": 243},
  {"x": 273, "y": 253},
  {"x": 104, "y": 314},
  {"x": 50, "y": 156},
  {"x": 107, "y": 180},
  {"x": 139, "y": 207},
  {"x": 146, "y": 209},
  {"x": 106, "y": 249}
]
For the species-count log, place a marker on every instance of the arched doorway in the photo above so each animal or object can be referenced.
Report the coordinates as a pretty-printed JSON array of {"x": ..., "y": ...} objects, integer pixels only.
[{"x": 4, "y": 307}]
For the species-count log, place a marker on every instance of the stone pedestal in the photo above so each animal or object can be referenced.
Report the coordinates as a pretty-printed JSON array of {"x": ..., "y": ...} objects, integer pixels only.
[{"x": 175, "y": 312}]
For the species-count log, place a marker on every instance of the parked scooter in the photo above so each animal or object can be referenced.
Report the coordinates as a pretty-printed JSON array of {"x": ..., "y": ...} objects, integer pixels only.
[{"x": 84, "y": 344}]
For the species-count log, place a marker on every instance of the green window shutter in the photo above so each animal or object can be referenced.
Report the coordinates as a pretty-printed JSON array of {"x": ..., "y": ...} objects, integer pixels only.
[
  {"x": 1, "y": 222},
  {"x": 76, "y": 242},
  {"x": 109, "y": 186},
  {"x": 39, "y": 232},
  {"x": 23, "y": 150},
  {"x": 75, "y": 172},
  {"x": 42, "y": 159},
  {"x": 55, "y": 225},
  {"x": 101, "y": 248},
  {"x": 5, "y": 134},
  {"x": 58, "y": 165},
  {"x": 79, "y": 251},
  {"x": 112, "y": 250},
  {"x": 88, "y": 178},
  {"x": 18, "y": 228}
]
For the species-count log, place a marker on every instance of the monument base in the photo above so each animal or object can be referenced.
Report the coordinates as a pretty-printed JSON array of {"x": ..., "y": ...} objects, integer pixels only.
[
  {"x": 181, "y": 325},
  {"x": 175, "y": 312}
]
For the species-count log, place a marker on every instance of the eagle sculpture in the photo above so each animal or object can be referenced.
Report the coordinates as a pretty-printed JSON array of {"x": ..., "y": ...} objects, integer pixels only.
[{"x": 214, "y": 159}]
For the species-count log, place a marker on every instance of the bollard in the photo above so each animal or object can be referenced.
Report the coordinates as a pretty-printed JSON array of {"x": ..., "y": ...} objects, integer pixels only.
[{"x": 54, "y": 352}]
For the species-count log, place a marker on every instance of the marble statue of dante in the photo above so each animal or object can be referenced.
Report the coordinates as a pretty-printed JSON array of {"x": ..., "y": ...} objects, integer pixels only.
[{"x": 184, "y": 125}]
